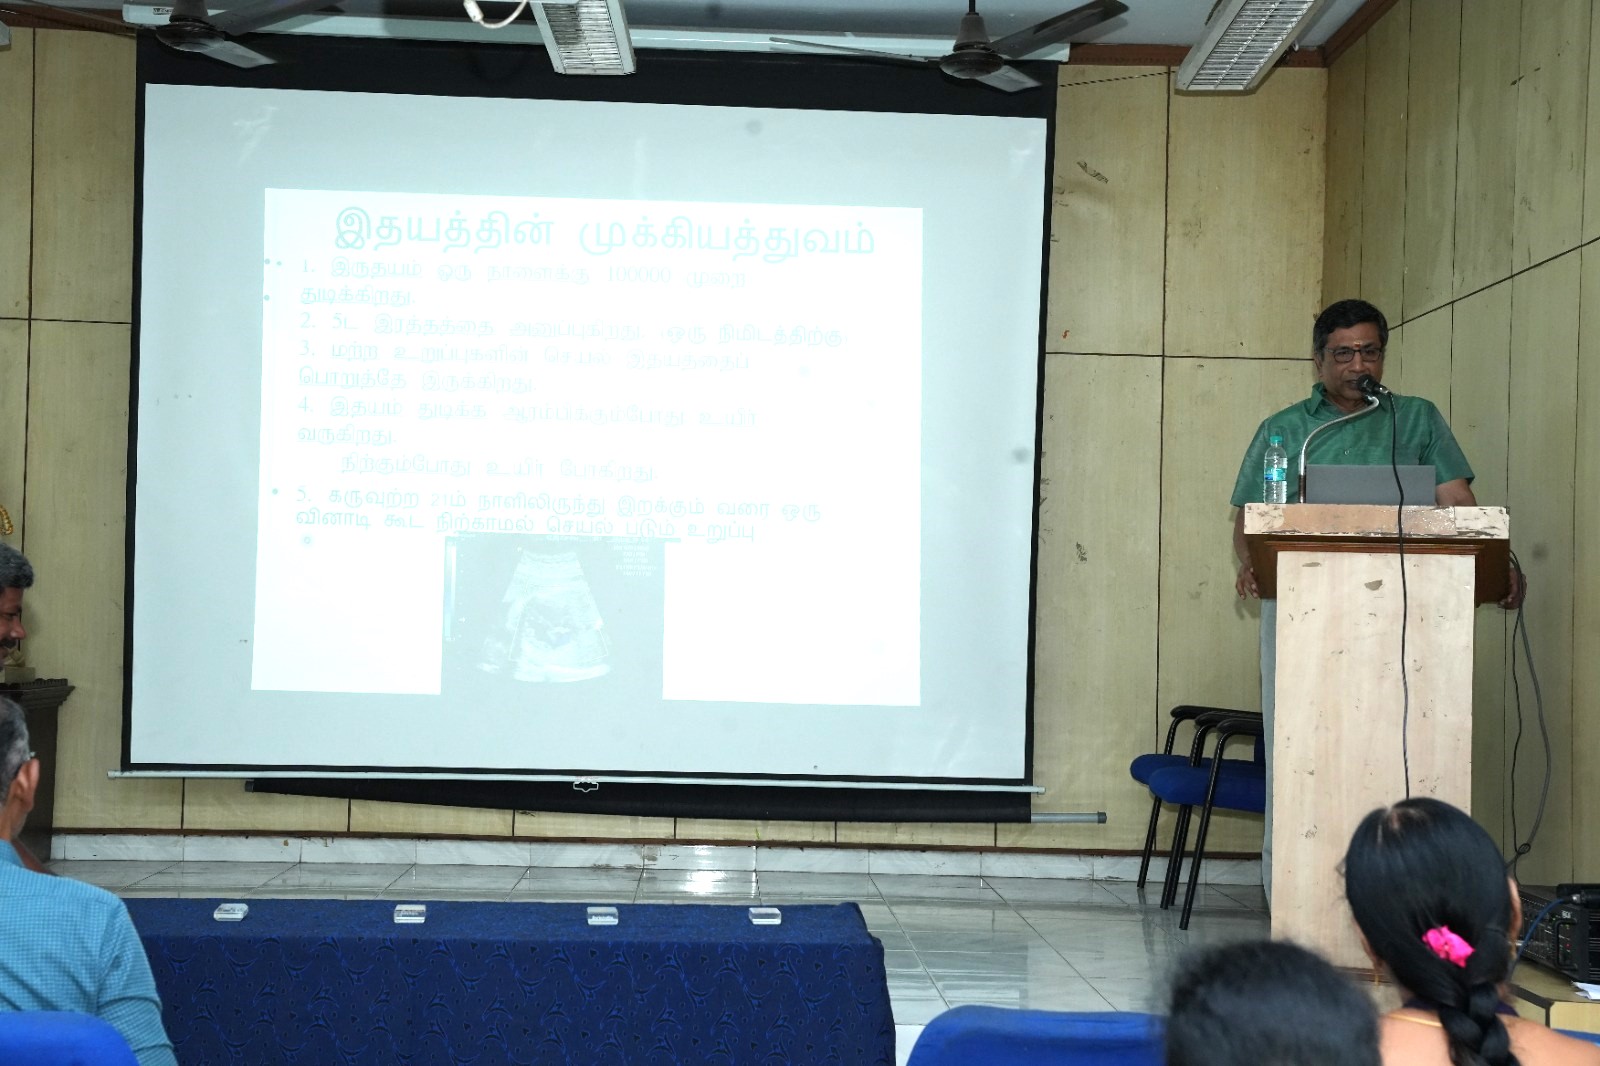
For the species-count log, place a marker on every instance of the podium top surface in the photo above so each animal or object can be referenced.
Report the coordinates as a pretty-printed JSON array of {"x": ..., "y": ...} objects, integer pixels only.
[
  {"x": 1355, "y": 520},
  {"x": 1482, "y": 532}
]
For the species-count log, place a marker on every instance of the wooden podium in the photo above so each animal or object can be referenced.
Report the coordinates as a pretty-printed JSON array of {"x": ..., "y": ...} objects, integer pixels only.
[{"x": 1339, "y": 703}]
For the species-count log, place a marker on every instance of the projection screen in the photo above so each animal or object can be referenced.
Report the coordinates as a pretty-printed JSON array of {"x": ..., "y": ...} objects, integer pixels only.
[{"x": 546, "y": 436}]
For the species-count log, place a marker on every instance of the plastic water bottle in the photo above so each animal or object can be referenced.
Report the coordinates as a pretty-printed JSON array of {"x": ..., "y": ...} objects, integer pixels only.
[{"x": 1275, "y": 472}]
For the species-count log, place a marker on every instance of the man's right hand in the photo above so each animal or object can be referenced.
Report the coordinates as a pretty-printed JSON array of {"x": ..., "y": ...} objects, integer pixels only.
[{"x": 1245, "y": 584}]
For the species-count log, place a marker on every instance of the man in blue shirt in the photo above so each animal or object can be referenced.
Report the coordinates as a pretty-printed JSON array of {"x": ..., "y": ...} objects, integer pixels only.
[{"x": 65, "y": 945}]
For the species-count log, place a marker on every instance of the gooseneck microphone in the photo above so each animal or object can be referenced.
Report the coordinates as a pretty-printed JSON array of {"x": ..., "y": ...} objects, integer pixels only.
[
  {"x": 1369, "y": 386},
  {"x": 1372, "y": 405}
]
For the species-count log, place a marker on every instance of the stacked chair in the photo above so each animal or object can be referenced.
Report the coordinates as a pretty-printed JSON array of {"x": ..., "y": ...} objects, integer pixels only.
[{"x": 1199, "y": 780}]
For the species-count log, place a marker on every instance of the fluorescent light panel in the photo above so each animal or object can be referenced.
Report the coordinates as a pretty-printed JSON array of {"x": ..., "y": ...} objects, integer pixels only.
[
  {"x": 588, "y": 37},
  {"x": 1242, "y": 42}
]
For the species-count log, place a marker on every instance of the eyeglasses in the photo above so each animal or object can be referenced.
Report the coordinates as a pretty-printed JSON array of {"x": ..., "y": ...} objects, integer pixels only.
[{"x": 1372, "y": 353}]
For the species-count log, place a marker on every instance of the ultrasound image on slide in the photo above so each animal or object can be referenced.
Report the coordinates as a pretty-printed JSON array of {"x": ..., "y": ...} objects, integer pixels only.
[{"x": 552, "y": 612}]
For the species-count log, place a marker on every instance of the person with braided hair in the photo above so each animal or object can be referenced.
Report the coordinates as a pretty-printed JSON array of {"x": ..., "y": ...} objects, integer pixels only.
[{"x": 1430, "y": 894}]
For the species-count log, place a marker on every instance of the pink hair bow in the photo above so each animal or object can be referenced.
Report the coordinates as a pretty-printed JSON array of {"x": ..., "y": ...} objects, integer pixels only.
[{"x": 1447, "y": 945}]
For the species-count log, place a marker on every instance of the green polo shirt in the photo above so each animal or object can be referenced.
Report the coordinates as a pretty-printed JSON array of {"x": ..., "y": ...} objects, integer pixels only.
[{"x": 1423, "y": 439}]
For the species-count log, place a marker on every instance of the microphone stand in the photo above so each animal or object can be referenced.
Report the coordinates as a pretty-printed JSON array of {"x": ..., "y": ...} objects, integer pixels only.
[{"x": 1372, "y": 404}]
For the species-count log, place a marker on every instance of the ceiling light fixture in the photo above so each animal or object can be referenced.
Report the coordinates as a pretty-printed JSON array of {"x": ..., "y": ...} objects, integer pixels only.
[
  {"x": 588, "y": 37},
  {"x": 582, "y": 36},
  {"x": 1242, "y": 41}
]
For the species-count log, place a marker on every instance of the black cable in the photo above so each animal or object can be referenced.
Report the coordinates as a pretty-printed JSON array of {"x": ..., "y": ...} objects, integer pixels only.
[
  {"x": 1521, "y": 628},
  {"x": 1405, "y": 594}
]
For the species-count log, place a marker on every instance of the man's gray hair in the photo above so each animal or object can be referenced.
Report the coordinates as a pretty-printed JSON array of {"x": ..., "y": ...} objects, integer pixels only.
[
  {"x": 13, "y": 743},
  {"x": 15, "y": 570}
]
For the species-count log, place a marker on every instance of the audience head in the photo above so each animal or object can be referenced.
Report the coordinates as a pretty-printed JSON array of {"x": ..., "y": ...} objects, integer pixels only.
[
  {"x": 1429, "y": 891},
  {"x": 14, "y": 753},
  {"x": 15, "y": 570},
  {"x": 1343, "y": 315},
  {"x": 15, "y": 575},
  {"x": 1267, "y": 1003}
]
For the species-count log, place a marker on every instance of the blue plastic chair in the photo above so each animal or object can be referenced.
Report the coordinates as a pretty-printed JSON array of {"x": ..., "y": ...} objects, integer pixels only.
[
  {"x": 1003, "y": 1036},
  {"x": 61, "y": 1038},
  {"x": 1144, "y": 766},
  {"x": 1576, "y": 1034},
  {"x": 1208, "y": 788}
]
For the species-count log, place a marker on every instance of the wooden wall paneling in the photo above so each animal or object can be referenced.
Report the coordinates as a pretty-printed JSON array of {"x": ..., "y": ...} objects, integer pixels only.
[
  {"x": 923, "y": 834},
  {"x": 1244, "y": 218},
  {"x": 1430, "y": 207},
  {"x": 1383, "y": 191},
  {"x": 1094, "y": 704},
  {"x": 13, "y": 421},
  {"x": 1486, "y": 144},
  {"x": 1108, "y": 212},
  {"x": 1541, "y": 459},
  {"x": 1591, "y": 142},
  {"x": 1209, "y": 652},
  {"x": 217, "y": 803},
  {"x": 544, "y": 824},
  {"x": 1209, "y": 640},
  {"x": 423, "y": 819},
  {"x": 1552, "y": 105},
  {"x": 1418, "y": 361},
  {"x": 1341, "y": 231},
  {"x": 77, "y": 473},
  {"x": 1586, "y": 570},
  {"x": 1480, "y": 411},
  {"x": 83, "y": 177},
  {"x": 16, "y": 174},
  {"x": 754, "y": 832}
]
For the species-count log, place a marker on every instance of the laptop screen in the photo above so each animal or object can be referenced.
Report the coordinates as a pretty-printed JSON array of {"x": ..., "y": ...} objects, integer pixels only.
[{"x": 1369, "y": 484}]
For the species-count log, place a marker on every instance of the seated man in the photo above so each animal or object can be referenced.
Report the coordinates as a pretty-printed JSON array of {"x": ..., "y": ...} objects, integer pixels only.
[{"x": 65, "y": 945}]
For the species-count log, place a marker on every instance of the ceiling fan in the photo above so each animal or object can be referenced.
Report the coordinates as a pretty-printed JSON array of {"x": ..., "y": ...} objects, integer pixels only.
[
  {"x": 190, "y": 29},
  {"x": 975, "y": 57}
]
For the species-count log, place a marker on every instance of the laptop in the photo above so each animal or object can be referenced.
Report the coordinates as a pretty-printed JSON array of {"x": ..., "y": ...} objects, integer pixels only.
[{"x": 1328, "y": 483}]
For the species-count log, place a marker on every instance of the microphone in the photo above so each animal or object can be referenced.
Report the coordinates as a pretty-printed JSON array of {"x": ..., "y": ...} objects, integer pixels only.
[{"x": 1369, "y": 386}]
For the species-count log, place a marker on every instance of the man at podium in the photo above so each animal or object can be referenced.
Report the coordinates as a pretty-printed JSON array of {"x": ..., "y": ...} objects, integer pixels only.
[{"x": 1348, "y": 342}]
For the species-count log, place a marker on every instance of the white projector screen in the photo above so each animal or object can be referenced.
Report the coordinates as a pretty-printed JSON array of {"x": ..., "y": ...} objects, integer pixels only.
[{"x": 549, "y": 436}]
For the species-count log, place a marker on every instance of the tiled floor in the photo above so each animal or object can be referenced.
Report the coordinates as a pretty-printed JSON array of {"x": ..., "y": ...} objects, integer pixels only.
[{"x": 948, "y": 940}]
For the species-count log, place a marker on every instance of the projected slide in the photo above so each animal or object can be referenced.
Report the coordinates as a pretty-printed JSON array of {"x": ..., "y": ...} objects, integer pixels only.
[
  {"x": 497, "y": 434},
  {"x": 552, "y": 371}
]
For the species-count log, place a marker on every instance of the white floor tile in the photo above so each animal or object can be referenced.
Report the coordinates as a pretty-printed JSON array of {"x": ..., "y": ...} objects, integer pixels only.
[
  {"x": 475, "y": 852},
  {"x": 423, "y": 878},
  {"x": 215, "y": 875},
  {"x": 917, "y": 1010},
  {"x": 822, "y": 886},
  {"x": 372, "y": 876},
  {"x": 997, "y": 941},
  {"x": 109, "y": 873},
  {"x": 933, "y": 887},
  {"x": 699, "y": 857},
  {"x": 1023, "y": 864},
  {"x": 1066, "y": 994},
  {"x": 813, "y": 860},
  {"x": 1048, "y": 890},
  {"x": 138, "y": 847},
  {"x": 586, "y": 856},
  {"x": 905, "y": 1038},
  {"x": 926, "y": 863},
  {"x": 242, "y": 849},
  {"x": 358, "y": 850},
  {"x": 1040, "y": 961}
]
